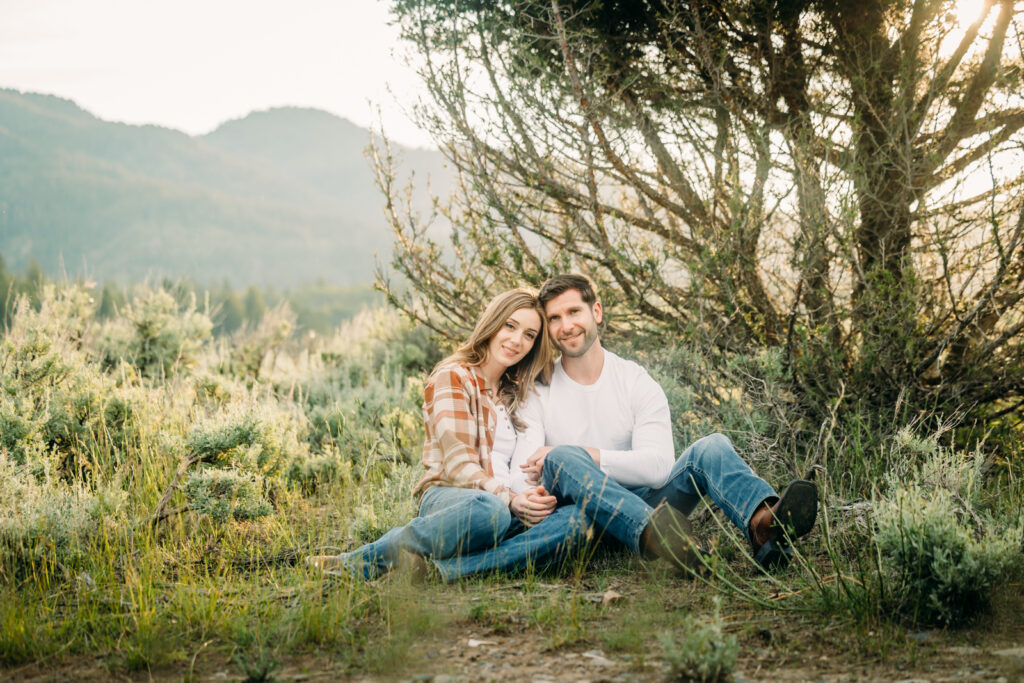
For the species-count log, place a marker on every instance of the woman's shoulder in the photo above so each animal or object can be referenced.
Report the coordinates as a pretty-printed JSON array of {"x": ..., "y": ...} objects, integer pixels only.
[{"x": 453, "y": 373}]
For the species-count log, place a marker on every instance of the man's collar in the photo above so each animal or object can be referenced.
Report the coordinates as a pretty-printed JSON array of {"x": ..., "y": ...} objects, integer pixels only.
[{"x": 588, "y": 367}]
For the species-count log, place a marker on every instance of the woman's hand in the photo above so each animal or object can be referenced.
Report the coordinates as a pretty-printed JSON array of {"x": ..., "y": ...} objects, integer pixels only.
[
  {"x": 532, "y": 506},
  {"x": 535, "y": 464}
]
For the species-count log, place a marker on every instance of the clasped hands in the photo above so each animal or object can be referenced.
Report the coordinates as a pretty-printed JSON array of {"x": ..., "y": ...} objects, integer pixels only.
[{"x": 533, "y": 505}]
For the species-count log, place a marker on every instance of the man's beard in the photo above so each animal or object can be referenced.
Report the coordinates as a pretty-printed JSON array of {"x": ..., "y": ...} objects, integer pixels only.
[{"x": 589, "y": 337}]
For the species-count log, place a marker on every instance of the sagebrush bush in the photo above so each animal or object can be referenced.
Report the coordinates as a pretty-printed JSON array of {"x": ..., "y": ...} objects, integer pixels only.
[
  {"x": 54, "y": 401},
  {"x": 704, "y": 653},
  {"x": 945, "y": 559},
  {"x": 155, "y": 335},
  {"x": 745, "y": 396},
  {"x": 42, "y": 516},
  {"x": 226, "y": 494}
]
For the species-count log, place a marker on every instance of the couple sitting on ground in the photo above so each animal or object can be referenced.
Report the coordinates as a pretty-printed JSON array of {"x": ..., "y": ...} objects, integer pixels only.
[{"x": 518, "y": 473}]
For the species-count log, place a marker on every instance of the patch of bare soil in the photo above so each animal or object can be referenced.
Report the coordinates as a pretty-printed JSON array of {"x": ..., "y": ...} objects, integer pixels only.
[
  {"x": 480, "y": 656},
  {"x": 514, "y": 645}
]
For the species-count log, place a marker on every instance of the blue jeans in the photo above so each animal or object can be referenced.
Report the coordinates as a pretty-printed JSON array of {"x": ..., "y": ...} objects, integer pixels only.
[
  {"x": 451, "y": 521},
  {"x": 710, "y": 467}
]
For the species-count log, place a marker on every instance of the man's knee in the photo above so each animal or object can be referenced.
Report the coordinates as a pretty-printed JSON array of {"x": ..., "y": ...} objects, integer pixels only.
[
  {"x": 714, "y": 446},
  {"x": 561, "y": 457}
]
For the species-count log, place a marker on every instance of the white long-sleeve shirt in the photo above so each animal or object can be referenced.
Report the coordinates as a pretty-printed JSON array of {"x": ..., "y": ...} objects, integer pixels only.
[{"x": 624, "y": 414}]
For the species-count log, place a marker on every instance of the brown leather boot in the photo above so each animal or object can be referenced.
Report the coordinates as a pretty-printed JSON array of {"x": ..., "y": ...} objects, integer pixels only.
[
  {"x": 412, "y": 567},
  {"x": 668, "y": 536}
]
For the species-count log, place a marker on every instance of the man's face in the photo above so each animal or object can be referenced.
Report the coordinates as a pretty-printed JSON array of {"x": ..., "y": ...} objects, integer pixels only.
[{"x": 572, "y": 324}]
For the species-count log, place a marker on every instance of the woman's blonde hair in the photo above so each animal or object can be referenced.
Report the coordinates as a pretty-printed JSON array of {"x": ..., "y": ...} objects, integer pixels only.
[{"x": 517, "y": 381}]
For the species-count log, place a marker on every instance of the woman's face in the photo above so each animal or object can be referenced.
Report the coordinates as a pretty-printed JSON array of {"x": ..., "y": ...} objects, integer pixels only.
[{"x": 514, "y": 338}]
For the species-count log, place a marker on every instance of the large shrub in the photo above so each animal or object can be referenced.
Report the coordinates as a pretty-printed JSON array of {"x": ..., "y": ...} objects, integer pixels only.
[
  {"x": 54, "y": 402},
  {"x": 45, "y": 518},
  {"x": 155, "y": 335},
  {"x": 945, "y": 554}
]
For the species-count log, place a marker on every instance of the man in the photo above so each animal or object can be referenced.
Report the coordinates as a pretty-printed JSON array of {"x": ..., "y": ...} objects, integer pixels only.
[{"x": 609, "y": 460}]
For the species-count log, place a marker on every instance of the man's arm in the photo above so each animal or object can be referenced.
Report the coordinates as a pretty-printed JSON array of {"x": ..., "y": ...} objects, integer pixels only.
[{"x": 650, "y": 459}]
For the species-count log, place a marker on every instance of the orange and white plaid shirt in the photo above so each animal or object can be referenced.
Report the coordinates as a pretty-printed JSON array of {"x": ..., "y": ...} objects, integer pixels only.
[{"x": 460, "y": 420}]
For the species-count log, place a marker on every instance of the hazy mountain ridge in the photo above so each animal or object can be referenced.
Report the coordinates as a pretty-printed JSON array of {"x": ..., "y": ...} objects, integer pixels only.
[{"x": 279, "y": 197}]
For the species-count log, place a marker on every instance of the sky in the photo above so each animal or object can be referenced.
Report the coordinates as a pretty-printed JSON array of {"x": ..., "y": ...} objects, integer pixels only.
[{"x": 193, "y": 64}]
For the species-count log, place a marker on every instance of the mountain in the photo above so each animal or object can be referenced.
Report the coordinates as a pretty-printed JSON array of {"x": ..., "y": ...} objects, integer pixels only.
[{"x": 280, "y": 197}]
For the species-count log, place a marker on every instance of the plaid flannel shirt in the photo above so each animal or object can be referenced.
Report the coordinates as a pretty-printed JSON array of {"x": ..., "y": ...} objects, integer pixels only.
[{"x": 460, "y": 421}]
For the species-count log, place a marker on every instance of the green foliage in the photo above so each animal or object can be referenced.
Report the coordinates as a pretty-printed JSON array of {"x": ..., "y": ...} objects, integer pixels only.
[
  {"x": 42, "y": 518},
  {"x": 781, "y": 197},
  {"x": 226, "y": 494},
  {"x": 705, "y": 654},
  {"x": 155, "y": 336},
  {"x": 946, "y": 560},
  {"x": 257, "y": 666},
  {"x": 55, "y": 402},
  {"x": 218, "y": 445}
]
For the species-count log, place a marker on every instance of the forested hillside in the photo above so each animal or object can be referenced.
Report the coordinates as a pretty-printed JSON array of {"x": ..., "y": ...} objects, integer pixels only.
[{"x": 280, "y": 197}]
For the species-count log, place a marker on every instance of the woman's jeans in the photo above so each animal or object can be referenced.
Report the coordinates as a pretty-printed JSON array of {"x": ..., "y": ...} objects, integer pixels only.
[
  {"x": 588, "y": 498},
  {"x": 451, "y": 521}
]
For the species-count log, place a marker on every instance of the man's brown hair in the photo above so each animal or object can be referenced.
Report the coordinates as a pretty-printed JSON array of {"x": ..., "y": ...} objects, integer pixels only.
[{"x": 560, "y": 284}]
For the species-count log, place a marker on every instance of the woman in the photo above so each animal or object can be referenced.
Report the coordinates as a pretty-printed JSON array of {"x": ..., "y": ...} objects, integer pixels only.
[{"x": 469, "y": 410}]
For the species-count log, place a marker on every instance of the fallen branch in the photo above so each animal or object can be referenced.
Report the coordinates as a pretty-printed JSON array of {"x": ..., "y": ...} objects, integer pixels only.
[{"x": 159, "y": 514}]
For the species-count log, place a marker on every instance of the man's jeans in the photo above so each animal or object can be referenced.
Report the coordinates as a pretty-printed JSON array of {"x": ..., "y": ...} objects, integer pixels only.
[
  {"x": 451, "y": 521},
  {"x": 587, "y": 496}
]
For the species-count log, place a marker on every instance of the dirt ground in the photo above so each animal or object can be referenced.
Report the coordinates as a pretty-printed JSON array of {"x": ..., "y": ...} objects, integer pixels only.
[
  {"x": 517, "y": 658},
  {"x": 774, "y": 646}
]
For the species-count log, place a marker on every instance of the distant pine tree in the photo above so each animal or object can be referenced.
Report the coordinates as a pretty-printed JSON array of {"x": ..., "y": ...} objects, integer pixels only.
[
  {"x": 230, "y": 315},
  {"x": 35, "y": 278},
  {"x": 255, "y": 306},
  {"x": 7, "y": 295},
  {"x": 112, "y": 301}
]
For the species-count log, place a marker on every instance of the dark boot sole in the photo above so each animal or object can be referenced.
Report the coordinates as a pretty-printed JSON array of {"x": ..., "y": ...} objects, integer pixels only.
[
  {"x": 797, "y": 510},
  {"x": 794, "y": 517}
]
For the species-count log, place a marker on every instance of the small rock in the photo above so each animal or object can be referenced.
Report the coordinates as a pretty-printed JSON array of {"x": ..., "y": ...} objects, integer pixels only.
[
  {"x": 478, "y": 643},
  {"x": 597, "y": 657},
  {"x": 1015, "y": 652},
  {"x": 610, "y": 596}
]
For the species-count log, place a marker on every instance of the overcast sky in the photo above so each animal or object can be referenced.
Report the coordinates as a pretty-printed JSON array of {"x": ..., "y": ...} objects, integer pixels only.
[{"x": 193, "y": 64}]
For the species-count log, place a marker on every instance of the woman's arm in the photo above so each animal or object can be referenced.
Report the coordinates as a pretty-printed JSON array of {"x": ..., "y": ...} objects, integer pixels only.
[{"x": 527, "y": 442}]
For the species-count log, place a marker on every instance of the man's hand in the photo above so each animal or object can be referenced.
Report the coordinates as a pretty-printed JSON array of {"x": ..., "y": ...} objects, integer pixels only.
[
  {"x": 532, "y": 506},
  {"x": 535, "y": 464}
]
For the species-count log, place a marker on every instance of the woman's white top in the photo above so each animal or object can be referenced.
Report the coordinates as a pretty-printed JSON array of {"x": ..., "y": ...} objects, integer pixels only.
[{"x": 506, "y": 443}]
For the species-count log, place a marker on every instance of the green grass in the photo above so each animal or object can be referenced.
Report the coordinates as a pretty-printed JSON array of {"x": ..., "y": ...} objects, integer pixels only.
[{"x": 328, "y": 435}]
